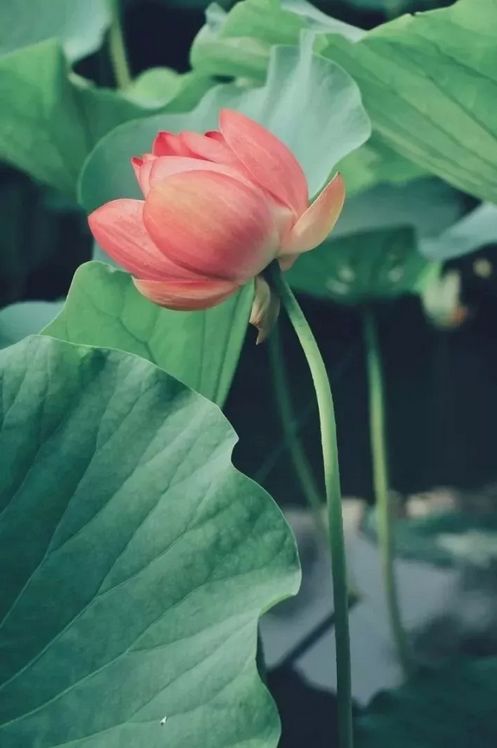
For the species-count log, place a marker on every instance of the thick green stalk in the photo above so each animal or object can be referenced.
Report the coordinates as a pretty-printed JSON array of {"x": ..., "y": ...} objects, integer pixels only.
[
  {"x": 333, "y": 498},
  {"x": 297, "y": 453},
  {"x": 377, "y": 433},
  {"x": 117, "y": 47}
]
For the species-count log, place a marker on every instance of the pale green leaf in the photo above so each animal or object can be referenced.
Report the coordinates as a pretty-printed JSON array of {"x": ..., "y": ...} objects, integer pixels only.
[
  {"x": 79, "y": 25},
  {"x": 49, "y": 121},
  {"x": 320, "y": 137},
  {"x": 239, "y": 43},
  {"x": 214, "y": 53},
  {"x": 201, "y": 348},
  {"x": 429, "y": 83},
  {"x": 135, "y": 559}
]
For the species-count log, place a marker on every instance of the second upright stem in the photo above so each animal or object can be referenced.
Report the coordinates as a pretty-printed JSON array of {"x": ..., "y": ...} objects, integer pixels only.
[
  {"x": 377, "y": 433},
  {"x": 295, "y": 446},
  {"x": 117, "y": 47}
]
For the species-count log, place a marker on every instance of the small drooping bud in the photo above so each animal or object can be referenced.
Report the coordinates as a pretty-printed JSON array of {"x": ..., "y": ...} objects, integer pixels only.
[
  {"x": 441, "y": 298},
  {"x": 265, "y": 309}
]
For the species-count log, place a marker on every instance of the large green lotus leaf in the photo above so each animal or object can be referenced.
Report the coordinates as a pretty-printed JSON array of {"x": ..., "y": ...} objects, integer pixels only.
[
  {"x": 239, "y": 43},
  {"x": 25, "y": 318},
  {"x": 79, "y": 25},
  {"x": 320, "y": 136},
  {"x": 374, "y": 251},
  {"x": 135, "y": 560},
  {"x": 200, "y": 348},
  {"x": 474, "y": 231},
  {"x": 51, "y": 118},
  {"x": 453, "y": 706},
  {"x": 429, "y": 83}
]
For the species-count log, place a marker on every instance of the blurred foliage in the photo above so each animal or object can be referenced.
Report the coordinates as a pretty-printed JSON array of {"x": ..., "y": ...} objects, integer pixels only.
[
  {"x": 79, "y": 25},
  {"x": 359, "y": 268},
  {"x": 475, "y": 230},
  {"x": 453, "y": 706},
  {"x": 457, "y": 538}
]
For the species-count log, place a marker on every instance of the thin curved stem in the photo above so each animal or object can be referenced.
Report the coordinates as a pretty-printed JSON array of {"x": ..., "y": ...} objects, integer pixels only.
[
  {"x": 377, "y": 433},
  {"x": 297, "y": 453},
  {"x": 117, "y": 47},
  {"x": 333, "y": 498}
]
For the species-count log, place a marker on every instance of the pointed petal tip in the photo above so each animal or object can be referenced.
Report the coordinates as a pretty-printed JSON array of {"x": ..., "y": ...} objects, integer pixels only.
[
  {"x": 268, "y": 160},
  {"x": 265, "y": 309},
  {"x": 317, "y": 222}
]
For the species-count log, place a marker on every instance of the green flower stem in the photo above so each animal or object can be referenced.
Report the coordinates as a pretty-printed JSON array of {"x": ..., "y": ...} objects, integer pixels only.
[
  {"x": 333, "y": 497},
  {"x": 381, "y": 483},
  {"x": 117, "y": 48},
  {"x": 302, "y": 468}
]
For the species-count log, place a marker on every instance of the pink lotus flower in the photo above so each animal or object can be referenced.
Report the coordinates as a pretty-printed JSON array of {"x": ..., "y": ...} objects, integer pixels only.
[{"x": 217, "y": 209}]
